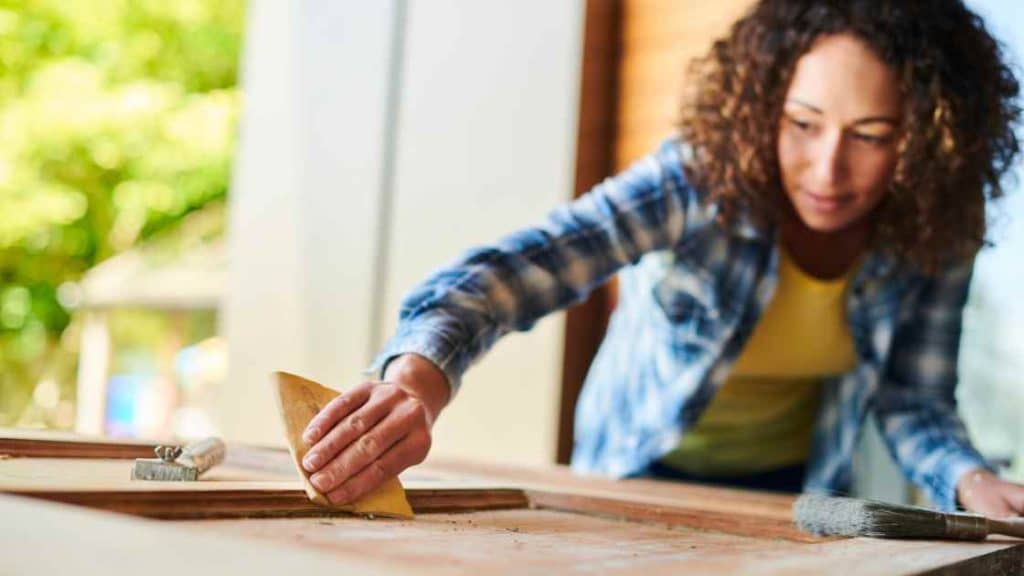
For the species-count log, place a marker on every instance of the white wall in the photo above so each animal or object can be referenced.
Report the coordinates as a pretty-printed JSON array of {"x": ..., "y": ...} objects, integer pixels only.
[
  {"x": 303, "y": 218},
  {"x": 262, "y": 311},
  {"x": 380, "y": 139},
  {"x": 486, "y": 144}
]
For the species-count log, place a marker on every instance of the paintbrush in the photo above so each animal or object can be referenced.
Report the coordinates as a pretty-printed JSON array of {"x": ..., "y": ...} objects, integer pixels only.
[{"x": 837, "y": 516}]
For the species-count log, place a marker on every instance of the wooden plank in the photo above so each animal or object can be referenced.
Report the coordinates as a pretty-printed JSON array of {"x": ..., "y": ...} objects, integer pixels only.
[
  {"x": 264, "y": 503},
  {"x": 224, "y": 492},
  {"x": 263, "y": 482},
  {"x": 101, "y": 474},
  {"x": 232, "y": 492},
  {"x": 675, "y": 530},
  {"x": 19, "y": 443},
  {"x": 552, "y": 542},
  {"x": 228, "y": 492},
  {"x": 550, "y": 507},
  {"x": 53, "y": 539}
]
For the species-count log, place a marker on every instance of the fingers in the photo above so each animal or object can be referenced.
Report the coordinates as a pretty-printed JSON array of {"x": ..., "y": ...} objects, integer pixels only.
[
  {"x": 406, "y": 418},
  {"x": 997, "y": 499},
  {"x": 992, "y": 506},
  {"x": 357, "y": 455},
  {"x": 351, "y": 427},
  {"x": 1000, "y": 510},
  {"x": 335, "y": 410},
  {"x": 408, "y": 451}
]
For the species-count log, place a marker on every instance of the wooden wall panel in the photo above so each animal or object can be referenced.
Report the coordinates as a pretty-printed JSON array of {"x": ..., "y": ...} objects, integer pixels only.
[
  {"x": 586, "y": 323},
  {"x": 635, "y": 54},
  {"x": 659, "y": 38}
]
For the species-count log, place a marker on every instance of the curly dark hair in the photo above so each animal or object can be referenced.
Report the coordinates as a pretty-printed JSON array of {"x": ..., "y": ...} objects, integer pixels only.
[{"x": 960, "y": 116}]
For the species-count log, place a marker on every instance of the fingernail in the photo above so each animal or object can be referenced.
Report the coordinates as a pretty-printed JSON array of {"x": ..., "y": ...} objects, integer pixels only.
[
  {"x": 321, "y": 481},
  {"x": 311, "y": 461},
  {"x": 309, "y": 435}
]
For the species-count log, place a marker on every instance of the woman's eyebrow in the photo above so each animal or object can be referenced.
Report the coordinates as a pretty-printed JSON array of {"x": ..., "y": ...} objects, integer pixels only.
[
  {"x": 810, "y": 107},
  {"x": 866, "y": 120}
]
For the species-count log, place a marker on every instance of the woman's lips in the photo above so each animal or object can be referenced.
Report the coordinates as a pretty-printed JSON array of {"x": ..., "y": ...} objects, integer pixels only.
[{"x": 826, "y": 202}]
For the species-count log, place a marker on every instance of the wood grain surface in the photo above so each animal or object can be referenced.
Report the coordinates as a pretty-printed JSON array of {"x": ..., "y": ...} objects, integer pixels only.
[
  {"x": 553, "y": 542},
  {"x": 508, "y": 520}
]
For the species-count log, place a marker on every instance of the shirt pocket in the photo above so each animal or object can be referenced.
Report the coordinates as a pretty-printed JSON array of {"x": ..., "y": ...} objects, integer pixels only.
[{"x": 686, "y": 298}]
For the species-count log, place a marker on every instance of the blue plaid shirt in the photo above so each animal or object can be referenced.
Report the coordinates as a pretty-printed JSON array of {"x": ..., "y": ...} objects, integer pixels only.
[{"x": 691, "y": 293}]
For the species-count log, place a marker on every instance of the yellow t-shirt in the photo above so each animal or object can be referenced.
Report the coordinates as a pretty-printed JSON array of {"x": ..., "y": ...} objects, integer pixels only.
[{"x": 763, "y": 416}]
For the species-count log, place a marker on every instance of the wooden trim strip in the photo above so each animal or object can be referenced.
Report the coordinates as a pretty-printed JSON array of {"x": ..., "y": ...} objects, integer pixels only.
[
  {"x": 595, "y": 142},
  {"x": 43, "y": 448},
  {"x": 48, "y": 444},
  {"x": 219, "y": 504}
]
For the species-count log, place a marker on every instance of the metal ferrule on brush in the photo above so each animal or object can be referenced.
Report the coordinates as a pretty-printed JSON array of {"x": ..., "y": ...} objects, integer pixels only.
[{"x": 966, "y": 526}]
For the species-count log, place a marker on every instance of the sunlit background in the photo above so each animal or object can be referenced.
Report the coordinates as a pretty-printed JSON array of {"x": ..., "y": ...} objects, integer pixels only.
[
  {"x": 118, "y": 124},
  {"x": 992, "y": 355}
]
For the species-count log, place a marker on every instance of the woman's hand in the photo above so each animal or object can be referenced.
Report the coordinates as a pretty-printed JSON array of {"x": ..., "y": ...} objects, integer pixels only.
[
  {"x": 985, "y": 493},
  {"x": 376, "y": 430}
]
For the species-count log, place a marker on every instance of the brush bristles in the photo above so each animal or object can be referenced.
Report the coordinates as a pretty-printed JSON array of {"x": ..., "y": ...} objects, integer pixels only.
[{"x": 836, "y": 516}]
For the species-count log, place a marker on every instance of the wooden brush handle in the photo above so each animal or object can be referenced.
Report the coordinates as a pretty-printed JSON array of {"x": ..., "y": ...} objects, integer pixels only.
[{"x": 1009, "y": 527}]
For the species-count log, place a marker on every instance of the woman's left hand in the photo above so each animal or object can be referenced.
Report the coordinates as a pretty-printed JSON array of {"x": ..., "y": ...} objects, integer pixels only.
[{"x": 985, "y": 493}]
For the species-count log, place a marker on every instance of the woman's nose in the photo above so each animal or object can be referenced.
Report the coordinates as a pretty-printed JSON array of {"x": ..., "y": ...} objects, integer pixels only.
[{"x": 828, "y": 166}]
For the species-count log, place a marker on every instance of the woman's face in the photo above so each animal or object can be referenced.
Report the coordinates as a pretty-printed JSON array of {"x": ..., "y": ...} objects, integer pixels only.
[{"x": 839, "y": 132}]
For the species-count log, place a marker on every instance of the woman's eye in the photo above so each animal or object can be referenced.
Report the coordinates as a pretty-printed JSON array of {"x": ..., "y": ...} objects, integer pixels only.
[
  {"x": 800, "y": 124},
  {"x": 871, "y": 139}
]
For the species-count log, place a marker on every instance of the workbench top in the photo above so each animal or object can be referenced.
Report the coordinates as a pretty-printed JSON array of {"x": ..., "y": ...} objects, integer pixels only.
[{"x": 540, "y": 521}]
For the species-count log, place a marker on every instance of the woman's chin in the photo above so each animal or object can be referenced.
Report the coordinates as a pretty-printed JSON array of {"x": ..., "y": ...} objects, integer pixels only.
[{"x": 829, "y": 223}]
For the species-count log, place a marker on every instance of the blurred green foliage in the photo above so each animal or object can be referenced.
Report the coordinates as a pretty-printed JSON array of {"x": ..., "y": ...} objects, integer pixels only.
[{"x": 117, "y": 119}]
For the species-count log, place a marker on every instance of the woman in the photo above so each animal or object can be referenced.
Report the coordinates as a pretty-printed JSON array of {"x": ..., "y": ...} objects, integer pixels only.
[{"x": 797, "y": 258}]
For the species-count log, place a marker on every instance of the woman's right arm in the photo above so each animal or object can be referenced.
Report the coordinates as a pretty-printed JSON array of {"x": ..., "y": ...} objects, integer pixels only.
[
  {"x": 378, "y": 429},
  {"x": 459, "y": 312}
]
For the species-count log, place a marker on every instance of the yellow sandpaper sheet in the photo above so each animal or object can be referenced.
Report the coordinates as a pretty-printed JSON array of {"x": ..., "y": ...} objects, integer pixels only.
[{"x": 299, "y": 400}]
